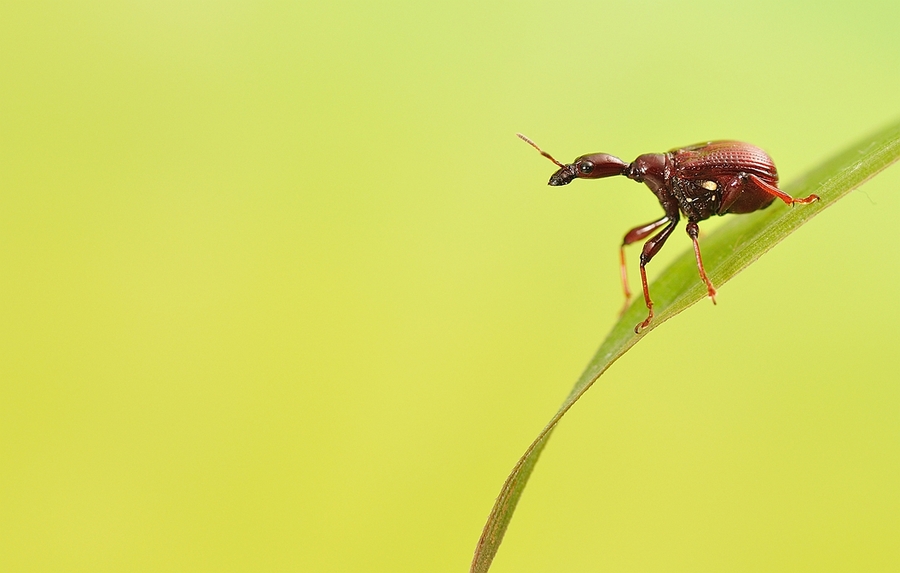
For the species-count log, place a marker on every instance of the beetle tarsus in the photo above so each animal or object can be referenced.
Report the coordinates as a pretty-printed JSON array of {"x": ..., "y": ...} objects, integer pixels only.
[
  {"x": 803, "y": 200},
  {"x": 642, "y": 325},
  {"x": 649, "y": 303}
]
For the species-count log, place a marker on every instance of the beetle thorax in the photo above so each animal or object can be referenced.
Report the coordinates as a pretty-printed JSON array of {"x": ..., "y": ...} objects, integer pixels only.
[{"x": 654, "y": 169}]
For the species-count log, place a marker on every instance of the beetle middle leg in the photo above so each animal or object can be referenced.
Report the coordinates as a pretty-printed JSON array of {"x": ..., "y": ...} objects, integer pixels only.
[
  {"x": 651, "y": 247},
  {"x": 693, "y": 232},
  {"x": 633, "y": 236}
]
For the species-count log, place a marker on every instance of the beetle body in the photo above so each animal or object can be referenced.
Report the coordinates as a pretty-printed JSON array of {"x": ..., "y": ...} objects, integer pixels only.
[
  {"x": 702, "y": 172},
  {"x": 698, "y": 181}
]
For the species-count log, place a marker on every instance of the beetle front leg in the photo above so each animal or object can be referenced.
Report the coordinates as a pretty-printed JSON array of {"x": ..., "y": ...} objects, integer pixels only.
[
  {"x": 652, "y": 247},
  {"x": 693, "y": 232},
  {"x": 633, "y": 236}
]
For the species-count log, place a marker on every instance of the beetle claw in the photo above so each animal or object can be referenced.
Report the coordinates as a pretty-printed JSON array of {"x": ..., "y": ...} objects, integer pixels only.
[{"x": 642, "y": 325}]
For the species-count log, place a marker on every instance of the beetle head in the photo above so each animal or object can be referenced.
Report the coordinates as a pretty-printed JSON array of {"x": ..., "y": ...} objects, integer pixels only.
[{"x": 593, "y": 166}]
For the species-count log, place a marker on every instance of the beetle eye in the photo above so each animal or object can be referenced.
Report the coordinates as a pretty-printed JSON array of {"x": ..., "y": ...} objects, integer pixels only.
[{"x": 586, "y": 167}]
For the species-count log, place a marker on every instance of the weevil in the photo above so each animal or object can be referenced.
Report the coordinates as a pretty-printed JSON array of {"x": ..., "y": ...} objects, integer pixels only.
[{"x": 698, "y": 181}]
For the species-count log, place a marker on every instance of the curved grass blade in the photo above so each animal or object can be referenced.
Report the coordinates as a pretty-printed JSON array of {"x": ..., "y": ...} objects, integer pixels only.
[{"x": 726, "y": 252}]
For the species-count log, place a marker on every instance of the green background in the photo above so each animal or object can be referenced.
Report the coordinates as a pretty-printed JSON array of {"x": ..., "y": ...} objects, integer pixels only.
[{"x": 280, "y": 290}]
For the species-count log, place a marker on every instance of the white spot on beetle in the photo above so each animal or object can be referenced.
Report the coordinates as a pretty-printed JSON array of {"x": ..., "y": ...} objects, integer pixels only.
[{"x": 709, "y": 185}]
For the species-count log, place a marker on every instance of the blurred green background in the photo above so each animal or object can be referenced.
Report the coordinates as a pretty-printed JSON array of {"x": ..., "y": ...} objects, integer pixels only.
[{"x": 280, "y": 290}]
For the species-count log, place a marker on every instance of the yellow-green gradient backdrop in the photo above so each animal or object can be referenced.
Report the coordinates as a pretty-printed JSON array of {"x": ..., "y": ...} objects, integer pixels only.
[{"x": 280, "y": 290}]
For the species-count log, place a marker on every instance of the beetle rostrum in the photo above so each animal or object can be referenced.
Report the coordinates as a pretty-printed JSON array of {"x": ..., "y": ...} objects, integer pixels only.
[
  {"x": 697, "y": 181},
  {"x": 592, "y": 166}
]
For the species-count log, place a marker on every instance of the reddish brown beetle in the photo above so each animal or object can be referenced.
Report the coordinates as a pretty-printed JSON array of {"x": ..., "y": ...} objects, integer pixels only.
[{"x": 713, "y": 178}]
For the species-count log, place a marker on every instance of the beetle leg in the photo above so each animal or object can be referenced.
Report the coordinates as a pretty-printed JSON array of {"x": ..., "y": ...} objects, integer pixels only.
[
  {"x": 730, "y": 194},
  {"x": 632, "y": 236},
  {"x": 693, "y": 232},
  {"x": 772, "y": 190},
  {"x": 651, "y": 247}
]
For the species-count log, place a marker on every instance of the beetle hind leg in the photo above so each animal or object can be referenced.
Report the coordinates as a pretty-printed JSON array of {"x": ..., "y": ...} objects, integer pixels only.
[
  {"x": 772, "y": 190},
  {"x": 693, "y": 232}
]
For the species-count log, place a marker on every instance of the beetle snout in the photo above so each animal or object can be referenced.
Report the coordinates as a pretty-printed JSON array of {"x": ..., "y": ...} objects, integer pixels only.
[{"x": 564, "y": 176}]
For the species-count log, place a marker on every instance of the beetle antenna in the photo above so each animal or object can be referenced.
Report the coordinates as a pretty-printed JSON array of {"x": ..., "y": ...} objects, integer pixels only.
[{"x": 542, "y": 152}]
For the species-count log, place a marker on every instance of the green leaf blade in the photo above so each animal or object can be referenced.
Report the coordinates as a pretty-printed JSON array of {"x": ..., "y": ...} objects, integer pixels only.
[{"x": 727, "y": 251}]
